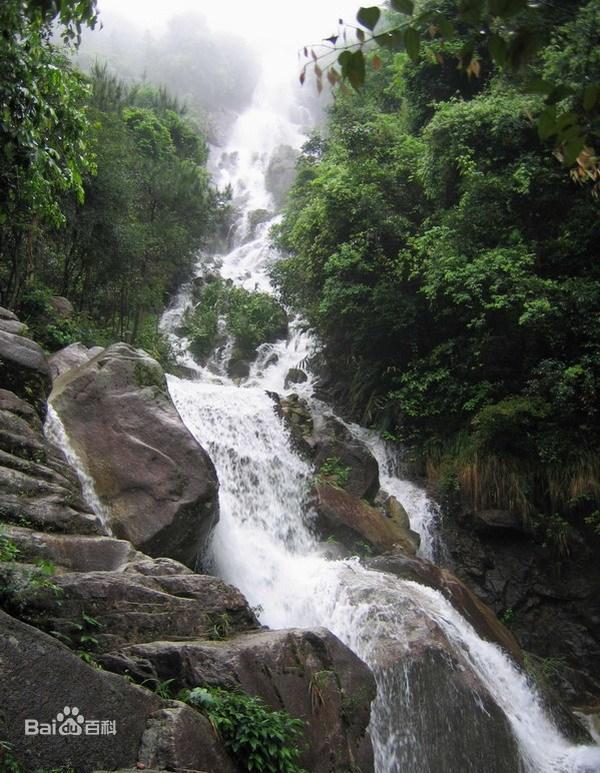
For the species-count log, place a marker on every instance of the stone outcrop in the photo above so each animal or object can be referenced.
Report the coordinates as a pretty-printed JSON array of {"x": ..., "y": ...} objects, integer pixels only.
[
  {"x": 70, "y": 357},
  {"x": 308, "y": 673},
  {"x": 332, "y": 440},
  {"x": 551, "y": 604},
  {"x": 353, "y": 522},
  {"x": 138, "y": 600},
  {"x": 481, "y": 617},
  {"x": 24, "y": 370},
  {"x": 40, "y": 677},
  {"x": 156, "y": 482},
  {"x": 37, "y": 486}
]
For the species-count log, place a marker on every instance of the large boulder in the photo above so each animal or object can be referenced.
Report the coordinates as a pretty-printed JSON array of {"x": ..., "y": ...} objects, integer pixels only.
[
  {"x": 308, "y": 673},
  {"x": 24, "y": 370},
  {"x": 549, "y": 603},
  {"x": 332, "y": 441},
  {"x": 142, "y": 601},
  {"x": 432, "y": 711},
  {"x": 66, "y": 359},
  {"x": 355, "y": 523},
  {"x": 157, "y": 484},
  {"x": 44, "y": 682},
  {"x": 481, "y": 617},
  {"x": 37, "y": 486}
]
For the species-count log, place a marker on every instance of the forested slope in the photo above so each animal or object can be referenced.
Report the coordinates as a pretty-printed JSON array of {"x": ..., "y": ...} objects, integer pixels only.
[
  {"x": 105, "y": 196},
  {"x": 449, "y": 262}
]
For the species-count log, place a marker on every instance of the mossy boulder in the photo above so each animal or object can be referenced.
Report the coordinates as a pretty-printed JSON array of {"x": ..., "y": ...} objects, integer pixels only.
[{"x": 157, "y": 484}]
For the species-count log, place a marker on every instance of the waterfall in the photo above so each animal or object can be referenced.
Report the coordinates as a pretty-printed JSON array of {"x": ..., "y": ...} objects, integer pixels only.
[
  {"x": 263, "y": 543},
  {"x": 56, "y": 433}
]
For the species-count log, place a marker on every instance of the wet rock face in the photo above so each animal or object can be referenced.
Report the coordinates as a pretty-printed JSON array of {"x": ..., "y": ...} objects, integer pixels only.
[
  {"x": 550, "y": 604},
  {"x": 475, "y": 611},
  {"x": 37, "y": 486},
  {"x": 158, "y": 484},
  {"x": 331, "y": 440},
  {"x": 354, "y": 522},
  {"x": 24, "y": 370},
  {"x": 70, "y": 357},
  {"x": 309, "y": 673}
]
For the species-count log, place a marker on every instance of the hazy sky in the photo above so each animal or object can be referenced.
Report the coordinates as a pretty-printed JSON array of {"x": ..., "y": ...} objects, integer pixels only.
[{"x": 293, "y": 21}]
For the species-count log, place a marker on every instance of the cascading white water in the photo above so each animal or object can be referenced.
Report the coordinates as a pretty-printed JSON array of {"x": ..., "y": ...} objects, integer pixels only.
[
  {"x": 263, "y": 543},
  {"x": 56, "y": 433}
]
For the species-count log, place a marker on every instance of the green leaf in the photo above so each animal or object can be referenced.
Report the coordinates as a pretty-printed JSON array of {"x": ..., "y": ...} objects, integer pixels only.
[
  {"x": 564, "y": 120},
  {"x": 558, "y": 94},
  {"x": 572, "y": 149},
  {"x": 498, "y": 49},
  {"x": 412, "y": 41},
  {"x": 368, "y": 17},
  {"x": 353, "y": 67},
  {"x": 446, "y": 27},
  {"x": 392, "y": 39},
  {"x": 471, "y": 10},
  {"x": 403, "y": 6},
  {"x": 546, "y": 124},
  {"x": 590, "y": 96},
  {"x": 510, "y": 7},
  {"x": 537, "y": 86}
]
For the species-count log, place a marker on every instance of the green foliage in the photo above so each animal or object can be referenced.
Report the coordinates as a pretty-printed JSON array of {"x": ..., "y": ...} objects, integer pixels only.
[
  {"x": 334, "y": 472},
  {"x": 8, "y": 761},
  {"x": 260, "y": 739},
  {"x": 219, "y": 626},
  {"x": 449, "y": 266},
  {"x": 252, "y": 318},
  {"x": 480, "y": 34},
  {"x": 546, "y": 672},
  {"x": 8, "y": 549}
]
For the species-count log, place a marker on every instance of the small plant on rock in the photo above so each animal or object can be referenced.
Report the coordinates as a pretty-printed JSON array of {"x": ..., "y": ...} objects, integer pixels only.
[
  {"x": 332, "y": 471},
  {"x": 260, "y": 739}
]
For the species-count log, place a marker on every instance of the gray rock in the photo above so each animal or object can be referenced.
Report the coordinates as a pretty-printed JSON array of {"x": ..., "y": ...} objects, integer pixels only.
[
  {"x": 158, "y": 485},
  {"x": 294, "y": 376},
  {"x": 552, "y": 605},
  {"x": 40, "y": 676},
  {"x": 481, "y": 617},
  {"x": 70, "y": 357},
  {"x": 238, "y": 368},
  {"x": 8, "y": 314},
  {"x": 13, "y": 326},
  {"x": 129, "y": 606},
  {"x": 75, "y": 552},
  {"x": 24, "y": 370},
  {"x": 37, "y": 486},
  {"x": 62, "y": 306},
  {"x": 331, "y": 440},
  {"x": 308, "y": 673},
  {"x": 491, "y": 520},
  {"x": 179, "y": 738},
  {"x": 354, "y": 523}
]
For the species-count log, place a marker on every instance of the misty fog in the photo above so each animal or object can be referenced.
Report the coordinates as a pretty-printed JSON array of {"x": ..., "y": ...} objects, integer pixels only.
[{"x": 213, "y": 56}]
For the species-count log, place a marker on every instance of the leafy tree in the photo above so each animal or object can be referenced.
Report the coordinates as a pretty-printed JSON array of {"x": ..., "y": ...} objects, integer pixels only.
[
  {"x": 450, "y": 267},
  {"x": 478, "y": 34},
  {"x": 43, "y": 129}
]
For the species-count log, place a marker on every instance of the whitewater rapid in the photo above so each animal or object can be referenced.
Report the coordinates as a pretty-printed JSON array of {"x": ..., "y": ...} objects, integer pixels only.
[{"x": 263, "y": 543}]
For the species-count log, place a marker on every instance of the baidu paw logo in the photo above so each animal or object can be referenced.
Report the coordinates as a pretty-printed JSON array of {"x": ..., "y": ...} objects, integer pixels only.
[{"x": 70, "y": 721}]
